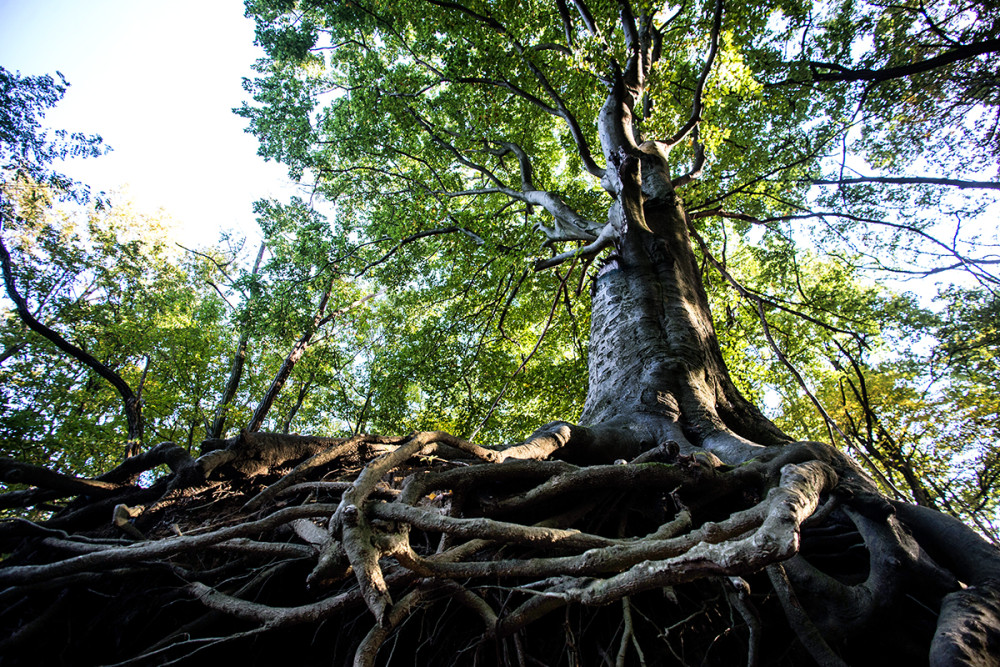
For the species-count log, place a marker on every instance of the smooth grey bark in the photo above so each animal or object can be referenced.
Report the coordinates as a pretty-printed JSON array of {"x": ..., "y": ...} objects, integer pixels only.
[{"x": 654, "y": 358}]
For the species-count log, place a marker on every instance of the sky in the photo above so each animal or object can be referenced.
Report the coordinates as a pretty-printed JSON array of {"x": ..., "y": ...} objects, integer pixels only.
[{"x": 158, "y": 81}]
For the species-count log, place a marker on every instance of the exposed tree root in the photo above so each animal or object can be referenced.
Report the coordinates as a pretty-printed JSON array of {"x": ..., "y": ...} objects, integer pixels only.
[{"x": 345, "y": 547}]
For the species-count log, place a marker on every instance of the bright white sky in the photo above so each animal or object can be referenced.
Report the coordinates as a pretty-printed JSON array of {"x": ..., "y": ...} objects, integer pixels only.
[{"x": 158, "y": 80}]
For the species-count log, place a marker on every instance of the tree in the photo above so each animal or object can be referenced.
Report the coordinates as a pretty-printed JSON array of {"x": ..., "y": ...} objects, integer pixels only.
[
  {"x": 107, "y": 283},
  {"x": 676, "y": 523},
  {"x": 27, "y": 152},
  {"x": 26, "y": 149}
]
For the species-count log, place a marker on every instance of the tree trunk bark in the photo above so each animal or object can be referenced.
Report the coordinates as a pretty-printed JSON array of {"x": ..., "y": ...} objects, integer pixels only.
[
  {"x": 289, "y": 363},
  {"x": 655, "y": 366}
]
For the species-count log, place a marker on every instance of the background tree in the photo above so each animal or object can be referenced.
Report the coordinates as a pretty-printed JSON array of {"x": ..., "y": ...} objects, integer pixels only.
[
  {"x": 109, "y": 284},
  {"x": 678, "y": 523}
]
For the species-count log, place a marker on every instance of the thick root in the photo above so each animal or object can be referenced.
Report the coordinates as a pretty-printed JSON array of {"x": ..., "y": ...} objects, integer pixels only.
[{"x": 407, "y": 525}]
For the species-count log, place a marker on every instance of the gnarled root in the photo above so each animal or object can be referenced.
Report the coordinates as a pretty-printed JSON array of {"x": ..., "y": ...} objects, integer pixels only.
[{"x": 701, "y": 559}]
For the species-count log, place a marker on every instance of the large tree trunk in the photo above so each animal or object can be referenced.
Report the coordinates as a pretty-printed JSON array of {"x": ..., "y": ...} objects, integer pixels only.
[
  {"x": 655, "y": 363},
  {"x": 655, "y": 367}
]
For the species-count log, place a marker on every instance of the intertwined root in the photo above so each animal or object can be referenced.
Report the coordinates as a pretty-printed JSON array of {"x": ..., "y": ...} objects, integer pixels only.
[{"x": 508, "y": 539}]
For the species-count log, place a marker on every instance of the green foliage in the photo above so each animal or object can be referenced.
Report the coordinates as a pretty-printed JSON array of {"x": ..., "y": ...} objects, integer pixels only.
[
  {"x": 110, "y": 282},
  {"x": 26, "y": 148}
]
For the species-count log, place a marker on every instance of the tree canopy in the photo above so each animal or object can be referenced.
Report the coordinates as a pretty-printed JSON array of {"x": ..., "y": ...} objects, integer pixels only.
[
  {"x": 695, "y": 251},
  {"x": 825, "y": 153}
]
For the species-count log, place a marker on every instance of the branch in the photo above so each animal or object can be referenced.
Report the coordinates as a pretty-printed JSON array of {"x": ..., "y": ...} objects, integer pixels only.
[
  {"x": 696, "y": 105},
  {"x": 220, "y": 266},
  {"x": 759, "y": 303},
  {"x": 349, "y": 307},
  {"x": 583, "y": 229},
  {"x": 524, "y": 362},
  {"x": 582, "y": 145},
  {"x": 239, "y": 358},
  {"x": 758, "y": 298},
  {"x": 132, "y": 405},
  {"x": 629, "y": 29},
  {"x": 696, "y": 167},
  {"x": 588, "y": 18},
  {"x": 416, "y": 237},
  {"x": 910, "y": 180},
  {"x": 527, "y": 173},
  {"x": 11, "y": 351},
  {"x": 604, "y": 239},
  {"x": 517, "y": 90},
  {"x": 971, "y": 265},
  {"x": 567, "y": 21},
  {"x": 841, "y": 73}
]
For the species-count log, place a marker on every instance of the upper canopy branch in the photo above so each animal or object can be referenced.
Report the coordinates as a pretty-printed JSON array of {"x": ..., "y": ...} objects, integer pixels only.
[
  {"x": 560, "y": 111},
  {"x": 696, "y": 168},
  {"x": 697, "y": 104},
  {"x": 454, "y": 151},
  {"x": 629, "y": 27},
  {"x": 839, "y": 73},
  {"x": 583, "y": 146},
  {"x": 974, "y": 265},
  {"x": 627, "y": 87},
  {"x": 416, "y": 237},
  {"x": 527, "y": 173},
  {"x": 568, "y": 224},
  {"x": 588, "y": 18},
  {"x": 517, "y": 90},
  {"x": 567, "y": 21},
  {"x": 759, "y": 299},
  {"x": 910, "y": 180}
]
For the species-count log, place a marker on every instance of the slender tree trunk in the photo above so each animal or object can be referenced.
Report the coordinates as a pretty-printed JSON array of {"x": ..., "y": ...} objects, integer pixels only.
[
  {"x": 218, "y": 425},
  {"x": 300, "y": 397},
  {"x": 363, "y": 414},
  {"x": 300, "y": 347}
]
